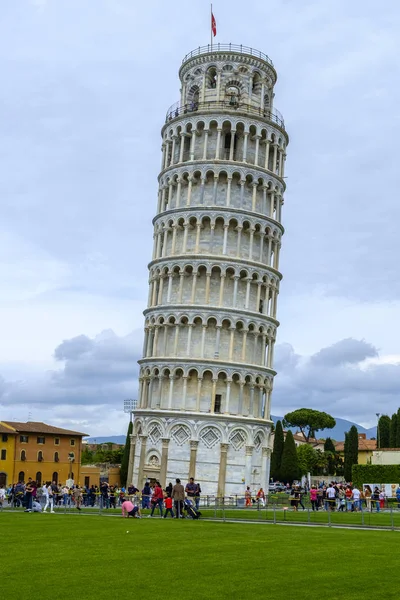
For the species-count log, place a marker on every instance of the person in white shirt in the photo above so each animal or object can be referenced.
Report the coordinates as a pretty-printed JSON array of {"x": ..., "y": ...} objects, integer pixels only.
[
  {"x": 357, "y": 498},
  {"x": 331, "y": 496},
  {"x": 48, "y": 494},
  {"x": 2, "y": 496}
]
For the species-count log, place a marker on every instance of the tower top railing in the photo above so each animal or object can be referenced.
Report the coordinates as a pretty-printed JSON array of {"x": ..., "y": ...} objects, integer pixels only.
[
  {"x": 240, "y": 49},
  {"x": 176, "y": 110}
]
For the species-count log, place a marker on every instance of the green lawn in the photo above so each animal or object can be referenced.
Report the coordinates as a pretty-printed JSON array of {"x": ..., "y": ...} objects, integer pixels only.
[{"x": 57, "y": 556}]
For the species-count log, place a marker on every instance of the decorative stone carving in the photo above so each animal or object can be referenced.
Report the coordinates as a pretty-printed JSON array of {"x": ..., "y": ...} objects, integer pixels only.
[
  {"x": 210, "y": 436},
  {"x": 180, "y": 434},
  {"x": 238, "y": 439},
  {"x": 155, "y": 433}
]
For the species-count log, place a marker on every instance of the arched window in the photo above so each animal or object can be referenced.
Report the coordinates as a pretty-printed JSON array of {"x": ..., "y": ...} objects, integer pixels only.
[
  {"x": 40, "y": 456},
  {"x": 23, "y": 455},
  {"x": 3, "y": 479},
  {"x": 211, "y": 77},
  {"x": 55, "y": 477},
  {"x": 266, "y": 101},
  {"x": 39, "y": 478},
  {"x": 56, "y": 457},
  {"x": 21, "y": 476},
  {"x": 256, "y": 83}
]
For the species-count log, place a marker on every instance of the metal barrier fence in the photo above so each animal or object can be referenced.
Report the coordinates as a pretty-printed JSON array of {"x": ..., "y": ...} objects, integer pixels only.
[
  {"x": 234, "y": 509},
  {"x": 228, "y": 48},
  {"x": 271, "y": 115}
]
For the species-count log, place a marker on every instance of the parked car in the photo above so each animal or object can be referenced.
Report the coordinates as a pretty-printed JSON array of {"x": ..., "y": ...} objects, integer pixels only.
[{"x": 276, "y": 487}]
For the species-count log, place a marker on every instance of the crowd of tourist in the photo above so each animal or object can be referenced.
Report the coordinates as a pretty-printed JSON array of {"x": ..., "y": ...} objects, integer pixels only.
[
  {"x": 51, "y": 494},
  {"x": 334, "y": 496}
]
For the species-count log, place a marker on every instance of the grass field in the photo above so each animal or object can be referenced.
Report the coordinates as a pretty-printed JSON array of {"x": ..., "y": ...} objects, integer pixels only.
[{"x": 60, "y": 555}]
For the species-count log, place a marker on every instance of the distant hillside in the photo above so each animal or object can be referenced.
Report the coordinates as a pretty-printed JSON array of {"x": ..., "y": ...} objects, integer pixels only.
[
  {"x": 337, "y": 433},
  {"x": 115, "y": 439}
]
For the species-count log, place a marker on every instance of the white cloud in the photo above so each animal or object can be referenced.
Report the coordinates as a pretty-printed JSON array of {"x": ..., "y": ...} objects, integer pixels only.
[{"x": 88, "y": 85}]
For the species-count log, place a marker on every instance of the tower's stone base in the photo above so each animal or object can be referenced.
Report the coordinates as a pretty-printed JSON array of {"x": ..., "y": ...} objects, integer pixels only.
[{"x": 223, "y": 453}]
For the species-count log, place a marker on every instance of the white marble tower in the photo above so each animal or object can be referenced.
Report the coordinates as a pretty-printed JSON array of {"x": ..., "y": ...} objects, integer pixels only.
[{"x": 206, "y": 374}]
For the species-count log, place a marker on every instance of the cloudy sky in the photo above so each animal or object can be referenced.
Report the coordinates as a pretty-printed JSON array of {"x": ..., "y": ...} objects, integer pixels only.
[{"x": 85, "y": 87}]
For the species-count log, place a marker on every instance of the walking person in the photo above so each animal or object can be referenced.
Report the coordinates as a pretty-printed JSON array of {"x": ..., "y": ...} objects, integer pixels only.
[
  {"x": 382, "y": 498},
  {"x": 301, "y": 494},
  {"x": 77, "y": 496},
  {"x": 29, "y": 489},
  {"x": 197, "y": 496},
  {"x": 367, "y": 496},
  {"x": 398, "y": 496},
  {"x": 49, "y": 495},
  {"x": 261, "y": 497},
  {"x": 314, "y": 497},
  {"x": 375, "y": 498},
  {"x": 146, "y": 494},
  {"x": 349, "y": 499},
  {"x": 178, "y": 496},
  {"x": 247, "y": 496},
  {"x": 157, "y": 499},
  {"x": 168, "y": 507},
  {"x": 331, "y": 497}
]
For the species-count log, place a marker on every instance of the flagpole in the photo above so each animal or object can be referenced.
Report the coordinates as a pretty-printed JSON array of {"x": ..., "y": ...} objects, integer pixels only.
[{"x": 211, "y": 32}]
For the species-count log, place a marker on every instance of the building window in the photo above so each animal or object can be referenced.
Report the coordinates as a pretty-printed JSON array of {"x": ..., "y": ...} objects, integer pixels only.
[
  {"x": 87, "y": 482},
  {"x": 56, "y": 457},
  {"x": 3, "y": 454},
  {"x": 41, "y": 440},
  {"x": 23, "y": 455},
  {"x": 56, "y": 441},
  {"x": 24, "y": 439},
  {"x": 55, "y": 477},
  {"x": 21, "y": 476},
  {"x": 4, "y": 437},
  {"x": 72, "y": 442},
  {"x": 40, "y": 456},
  {"x": 39, "y": 478},
  {"x": 217, "y": 405}
]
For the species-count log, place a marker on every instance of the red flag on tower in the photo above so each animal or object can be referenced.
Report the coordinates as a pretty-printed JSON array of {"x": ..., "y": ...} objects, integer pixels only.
[{"x": 213, "y": 25}]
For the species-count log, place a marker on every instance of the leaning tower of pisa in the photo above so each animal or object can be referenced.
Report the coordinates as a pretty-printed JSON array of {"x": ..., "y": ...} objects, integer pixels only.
[{"x": 206, "y": 375}]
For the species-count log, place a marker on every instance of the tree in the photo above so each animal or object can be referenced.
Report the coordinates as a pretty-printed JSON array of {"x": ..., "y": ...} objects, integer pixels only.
[
  {"x": 125, "y": 456},
  {"x": 393, "y": 431},
  {"x": 277, "y": 451},
  {"x": 307, "y": 459},
  {"x": 398, "y": 430},
  {"x": 309, "y": 421},
  {"x": 290, "y": 464},
  {"x": 384, "y": 432},
  {"x": 350, "y": 452},
  {"x": 331, "y": 455},
  {"x": 87, "y": 456}
]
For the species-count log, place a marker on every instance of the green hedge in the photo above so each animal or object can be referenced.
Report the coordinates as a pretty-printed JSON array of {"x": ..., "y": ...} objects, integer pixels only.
[{"x": 375, "y": 474}]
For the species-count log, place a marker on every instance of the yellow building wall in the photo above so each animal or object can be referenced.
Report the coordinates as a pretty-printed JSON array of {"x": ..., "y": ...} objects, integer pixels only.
[
  {"x": 364, "y": 457},
  {"x": 7, "y": 465},
  {"x": 48, "y": 467},
  {"x": 90, "y": 475}
]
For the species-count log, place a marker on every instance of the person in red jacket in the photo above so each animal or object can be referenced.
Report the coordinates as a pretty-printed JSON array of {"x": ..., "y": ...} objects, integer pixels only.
[
  {"x": 168, "y": 507},
  {"x": 157, "y": 499}
]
